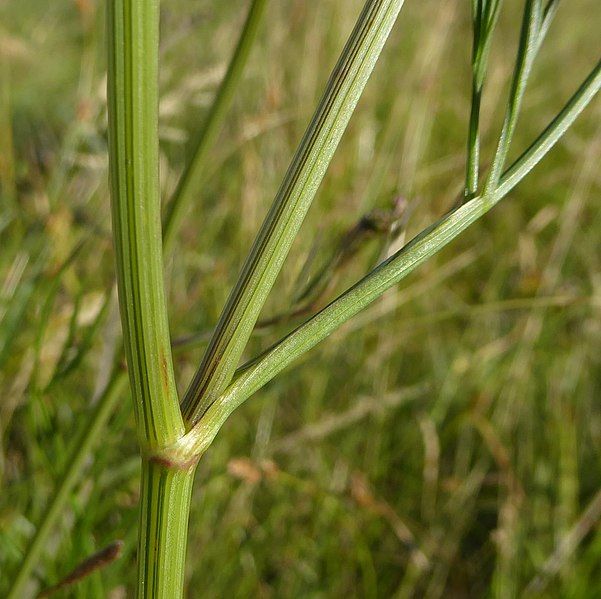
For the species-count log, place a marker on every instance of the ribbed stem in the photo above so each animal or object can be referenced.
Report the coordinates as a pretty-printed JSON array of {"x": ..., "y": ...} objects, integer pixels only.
[
  {"x": 133, "y": 41},
  {"x": 163, "y": 530}
]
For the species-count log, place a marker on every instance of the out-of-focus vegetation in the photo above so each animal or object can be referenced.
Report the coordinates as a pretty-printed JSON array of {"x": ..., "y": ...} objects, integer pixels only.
[{"x": 445, "y": 443}]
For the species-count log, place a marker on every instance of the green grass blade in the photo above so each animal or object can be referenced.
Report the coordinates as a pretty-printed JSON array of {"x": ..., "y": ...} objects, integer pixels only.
[
  {"x": 191, "y": 178},
  {"x": 133, "y": 32},
  {"x": 292, "y": 201},
  {"x": 260, "y": 371},
  {"x": 88, "y": 438},
  {"x": 14, "y": 301},
  {"x": 52, "y": 287},
  {"x": 67, "y": 364}
]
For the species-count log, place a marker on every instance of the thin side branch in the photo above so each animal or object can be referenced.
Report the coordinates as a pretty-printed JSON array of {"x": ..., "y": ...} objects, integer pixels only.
[
  {"x": 264, "y": 368},
  {"x": 290, "y": 206}
]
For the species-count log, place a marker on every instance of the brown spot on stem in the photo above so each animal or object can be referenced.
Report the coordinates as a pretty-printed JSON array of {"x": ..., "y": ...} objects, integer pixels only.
[
  {"x": 174, "y": 464},
  {"x": 164, "y": 372}
]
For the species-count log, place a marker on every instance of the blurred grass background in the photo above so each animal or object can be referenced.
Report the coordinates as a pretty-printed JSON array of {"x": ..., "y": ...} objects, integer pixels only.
[{"x": 447, "y": 443}]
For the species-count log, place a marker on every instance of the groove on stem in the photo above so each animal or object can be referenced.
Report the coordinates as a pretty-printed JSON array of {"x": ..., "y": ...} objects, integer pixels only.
[{"x": 163, "y": 530}]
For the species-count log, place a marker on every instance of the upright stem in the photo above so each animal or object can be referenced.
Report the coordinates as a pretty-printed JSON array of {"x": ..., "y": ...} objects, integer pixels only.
[
  {"x": 473, "y": 146},
  {"x": 133, "y": 39},
  {"x": 99, "y": 415},
  {"x": 529, "y": 45},
  {"x": 163, "y": 531},
  {"x": 473, "y": 140},
  {"x": 133, "y": 36},
  {"x": 485, "y": 14}
]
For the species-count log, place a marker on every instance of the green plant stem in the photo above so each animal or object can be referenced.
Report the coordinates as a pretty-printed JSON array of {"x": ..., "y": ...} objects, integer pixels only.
[
  {"x": 484, "y": 19},
  {"x": 535, "y": 26},
  {"x": 290, "y": 206},
  {"x": 473, "y": 145},
  {"x": 86, "y": 441},
  {"x": 164, "y": 511},
  {"x": 529, "y": 44},
  {"x": 548, "y": 16},
  {"x": 98, "y": 417},
  {"x": 260, "y": 371},
  {"x": 554, "y": 131},
  {"x": 133, "y": 41},
  {"x": 191, "y": 179}
]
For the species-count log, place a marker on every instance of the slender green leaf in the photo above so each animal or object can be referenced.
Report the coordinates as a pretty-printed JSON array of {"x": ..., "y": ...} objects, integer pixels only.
[
  {"x": 87, "y": 439},
  {"x": 548, "y": 16},
  {"x": 68, "y": 362},
  {"x": 53, "y": 286},
  {"x": 191, "y": 178},
  {"x": 290, "y": 206},
  {"x": 549, "y": 137},
  {"x": 484, "y": 18},
  {"x": 14, "y": 301}
]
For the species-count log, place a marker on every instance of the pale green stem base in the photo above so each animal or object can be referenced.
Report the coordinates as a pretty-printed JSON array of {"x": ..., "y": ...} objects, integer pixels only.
[{"x": 164, "y": 510}]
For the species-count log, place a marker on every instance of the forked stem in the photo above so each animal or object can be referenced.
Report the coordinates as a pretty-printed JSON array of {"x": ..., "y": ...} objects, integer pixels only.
[
  {"x": 105, "y": 406},
  {"x": 133, "y": 40}
]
